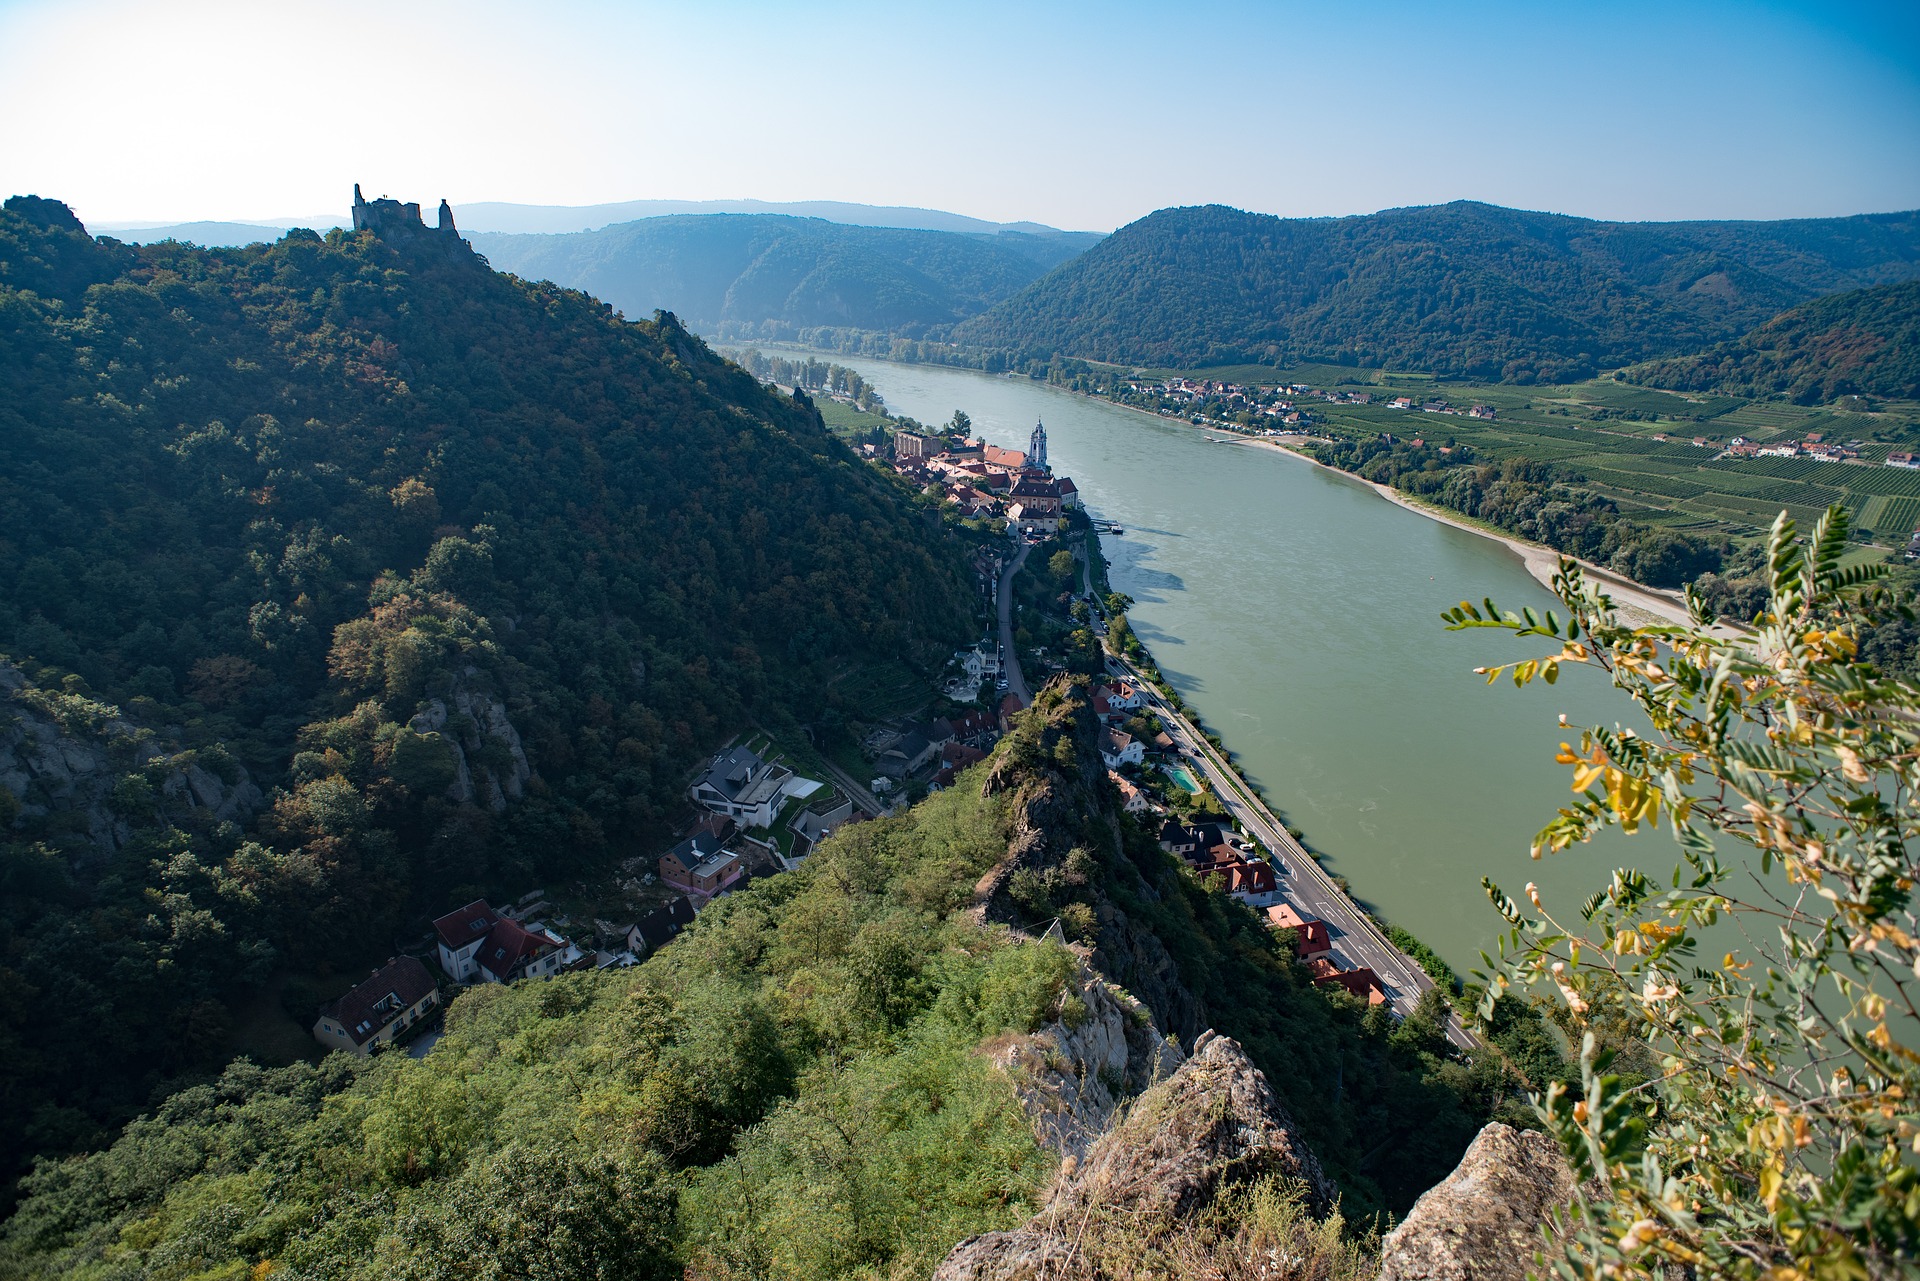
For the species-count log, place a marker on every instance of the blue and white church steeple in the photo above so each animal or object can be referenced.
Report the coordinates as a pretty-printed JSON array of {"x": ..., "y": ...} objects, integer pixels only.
[{"x": 1037, "y": 447}]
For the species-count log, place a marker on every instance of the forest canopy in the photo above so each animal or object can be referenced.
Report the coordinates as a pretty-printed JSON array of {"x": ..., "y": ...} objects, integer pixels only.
[{"x": 357, "y": 576}]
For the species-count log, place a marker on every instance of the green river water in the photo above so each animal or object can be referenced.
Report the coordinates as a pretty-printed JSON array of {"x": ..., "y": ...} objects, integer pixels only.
[{"x": 1298, "y": 612}]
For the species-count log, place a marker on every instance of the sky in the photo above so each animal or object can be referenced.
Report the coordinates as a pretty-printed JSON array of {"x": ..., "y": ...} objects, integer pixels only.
[{"x": 1084, "y": 116}]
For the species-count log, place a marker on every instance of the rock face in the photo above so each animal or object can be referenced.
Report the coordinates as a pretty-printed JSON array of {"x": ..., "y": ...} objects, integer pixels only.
[
  {"x": 1483, "y": 1223},
  {"x": 81, "y": 771},
  {"x": 1060, "y": 800},
  {"x": 1073, "y": 1073},
  {"x": 1214, "y": 1123},
  {"x": 490, "y": 763}
]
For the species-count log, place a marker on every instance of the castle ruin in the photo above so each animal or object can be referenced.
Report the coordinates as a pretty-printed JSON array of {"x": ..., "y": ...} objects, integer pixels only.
[{"x": 401, "y": 223}]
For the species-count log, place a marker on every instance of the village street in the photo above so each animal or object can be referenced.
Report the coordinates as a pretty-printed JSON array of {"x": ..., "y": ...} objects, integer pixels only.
[{"x": 1010, "y": 660}]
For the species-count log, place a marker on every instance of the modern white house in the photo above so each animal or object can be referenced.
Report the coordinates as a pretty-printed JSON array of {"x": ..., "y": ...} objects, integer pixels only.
[{"x": 745, "y": 788}]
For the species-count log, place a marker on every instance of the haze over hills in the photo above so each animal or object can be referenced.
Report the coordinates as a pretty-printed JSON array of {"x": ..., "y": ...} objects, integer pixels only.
[
  {"x": 1862, "y": 343},
  {"x": 518, "y": 219},
  {"x": 1463, "y": 288},
  {"x": 766, "y": 275}
]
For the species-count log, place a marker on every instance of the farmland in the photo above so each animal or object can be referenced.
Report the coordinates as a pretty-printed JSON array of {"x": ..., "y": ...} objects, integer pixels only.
[{"x": 1636, "y": 446}]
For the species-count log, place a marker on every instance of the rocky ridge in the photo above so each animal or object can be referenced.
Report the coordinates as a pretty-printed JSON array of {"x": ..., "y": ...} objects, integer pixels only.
[
  {"x": 81, "y": 770},
  {"x": 1215, "y": 1123},
  {"x": 1074, "y": 1073}
]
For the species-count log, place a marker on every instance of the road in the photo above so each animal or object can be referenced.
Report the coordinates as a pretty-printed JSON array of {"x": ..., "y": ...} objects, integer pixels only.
[
  {"x": 1010, "y": 660},
  {"x": 1356, "y": 939}
]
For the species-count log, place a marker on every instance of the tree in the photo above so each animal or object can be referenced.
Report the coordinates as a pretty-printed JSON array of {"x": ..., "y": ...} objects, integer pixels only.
[
  {"x": 961, "y": 424},
  {"x": 1775, "y": 1138}
]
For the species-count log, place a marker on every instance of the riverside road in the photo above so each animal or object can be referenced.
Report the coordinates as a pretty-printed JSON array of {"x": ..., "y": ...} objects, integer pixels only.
[{"x": 1356, "y": 939}]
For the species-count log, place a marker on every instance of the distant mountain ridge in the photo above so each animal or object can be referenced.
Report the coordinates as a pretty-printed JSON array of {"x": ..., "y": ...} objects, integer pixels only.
[
  {"x": 1862, "y": 343},
  {"x": 1463, "y": 288},
  {"x": 768, "y": 275},
  {"x": 516, "y": 219}
]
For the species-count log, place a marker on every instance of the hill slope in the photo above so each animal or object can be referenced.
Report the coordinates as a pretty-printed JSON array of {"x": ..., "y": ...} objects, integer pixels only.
[
  {"x": 417, "y": 579},
  {"x": 763, "y": 275},
  {"x": 1862, "y": 343},
  {"x": 837, "y": 1073},
  {"x": 1463, "y": 288}
]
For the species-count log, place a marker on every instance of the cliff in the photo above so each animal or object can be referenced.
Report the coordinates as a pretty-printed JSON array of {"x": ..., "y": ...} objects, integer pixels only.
[
  {"x": 1213, "y": 1127},
  {"x": 76, "y": 772},
  {"x": 1483, "y": 1223}
]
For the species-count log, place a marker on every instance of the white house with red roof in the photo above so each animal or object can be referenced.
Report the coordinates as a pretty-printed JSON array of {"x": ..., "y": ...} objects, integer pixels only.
[{"x": 478, "y": 944}]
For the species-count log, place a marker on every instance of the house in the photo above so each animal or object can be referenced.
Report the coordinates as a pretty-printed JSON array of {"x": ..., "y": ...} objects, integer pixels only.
[
  {"x": 1005, "y": 460},
  {"x": 660, "y": 926},
  {"x": 1400, "y": 402},
  {"x": 743, "y": 787},
  {"x": 1482, "y": 411},
  {"x": 954, "y": 758},
  {"x": 1119, "y": 748},
  {"x": 1069, "y": 492},
  {"x": 1132, "y": 799},
  {"x": 478, "y": 944},
  {"x": 1785, "y": 449},
  {"x": 973, "y": 726},
  {"x": 1039, "y": 495},
  {"x": 1009, "y": 707},
  {"x": 938, "y": 732},
  {"x": 1901, "y": 460},
  {"x": 512, "y": 951},
  {"x": 1178, "y": 838},
  {"x": 1362, "y": 982},
  {"x": 1313, "y": 937},
  {"x": 460, "y": 934},
  {"x": 1253, "y": 883},
  {"x": 701, "y": 865},
  {"x": 399, "y": 995},
  {"x": 817, "y": 822},
  {"x": 1123, "y": 695},
  {"x": 908, "y": 753}
]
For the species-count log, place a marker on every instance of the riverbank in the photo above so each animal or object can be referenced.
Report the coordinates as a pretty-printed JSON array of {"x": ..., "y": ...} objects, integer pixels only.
[
  {"x": 1541, "y": 562},
  {"x": 1641, "y": 604}
]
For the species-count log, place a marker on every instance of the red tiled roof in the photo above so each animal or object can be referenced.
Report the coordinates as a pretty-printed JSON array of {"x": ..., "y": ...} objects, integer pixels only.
[
  {"x": 395, "y": 988},
  {"x": 508, "y": 946},
  {"x": 463, "y": 925}
]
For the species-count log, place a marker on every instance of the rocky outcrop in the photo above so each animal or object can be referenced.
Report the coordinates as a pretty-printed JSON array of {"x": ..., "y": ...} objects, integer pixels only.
[
  {"x": 1060, "y": 801},
  {"x": 80, "y": 773},
  {"x": 1073, "y": 1074},
  {"x": 1215, "y": 1123},
  {"x": 490, "y": 763},
  {"x": 1483, "y": 1223}
]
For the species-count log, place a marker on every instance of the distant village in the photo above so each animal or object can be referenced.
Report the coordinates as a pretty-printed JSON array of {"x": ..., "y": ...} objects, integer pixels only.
[{"x": 985, "y": 480}]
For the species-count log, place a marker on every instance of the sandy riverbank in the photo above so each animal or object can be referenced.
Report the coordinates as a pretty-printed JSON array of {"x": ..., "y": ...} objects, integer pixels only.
[{"x": 1541, "y": 562}]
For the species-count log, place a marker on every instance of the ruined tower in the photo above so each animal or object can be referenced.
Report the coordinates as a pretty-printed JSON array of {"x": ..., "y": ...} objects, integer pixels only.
[{"x": 400, "y": 223}]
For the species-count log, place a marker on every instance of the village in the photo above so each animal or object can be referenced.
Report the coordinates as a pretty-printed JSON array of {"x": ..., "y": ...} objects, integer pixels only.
[{"x": 757, "y": 815}]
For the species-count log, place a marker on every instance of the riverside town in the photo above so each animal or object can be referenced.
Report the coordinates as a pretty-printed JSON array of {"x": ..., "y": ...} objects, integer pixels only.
[{"x": 1072, "y": 676}]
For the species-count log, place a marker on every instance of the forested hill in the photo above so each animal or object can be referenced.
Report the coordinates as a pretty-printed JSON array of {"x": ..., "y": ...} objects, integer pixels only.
[
  {"x": 260, "y": 508},
  {"x": 1464, "y": 288},
  {"x": 1862, "y": 343},
  {"x": 768, "y": 275}
]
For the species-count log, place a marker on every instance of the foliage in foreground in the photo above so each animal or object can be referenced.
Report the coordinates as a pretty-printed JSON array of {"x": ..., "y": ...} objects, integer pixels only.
[
  {"x": 790, "y": 1090},
  {"x": 1775, "y": 976}
]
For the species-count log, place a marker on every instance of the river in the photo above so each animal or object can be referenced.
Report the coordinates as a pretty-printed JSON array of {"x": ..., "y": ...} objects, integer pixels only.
[{"x": 1298, "y": 612}]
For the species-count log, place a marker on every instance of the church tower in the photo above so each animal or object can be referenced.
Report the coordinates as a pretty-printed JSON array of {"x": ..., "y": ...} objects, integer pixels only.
[{"x": 1037, "y": 447}]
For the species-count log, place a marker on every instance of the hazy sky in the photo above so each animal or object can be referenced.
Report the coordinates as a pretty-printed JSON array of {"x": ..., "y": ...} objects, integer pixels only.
[{"x": 1083, "y": 116}]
